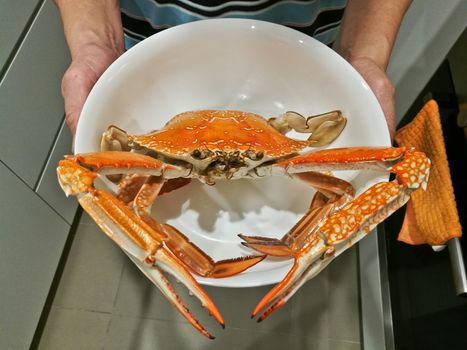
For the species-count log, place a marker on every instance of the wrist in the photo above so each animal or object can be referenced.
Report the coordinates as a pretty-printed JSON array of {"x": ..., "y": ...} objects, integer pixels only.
[
  {"x": 376, "y": 51},
  {"x": 369, "y": 29},
  {"x": 90, "y": 23},
  {"x": 364, "y": 61},
  {"x": 95, "y": 50},
  {"x": 95, "y": 41}
]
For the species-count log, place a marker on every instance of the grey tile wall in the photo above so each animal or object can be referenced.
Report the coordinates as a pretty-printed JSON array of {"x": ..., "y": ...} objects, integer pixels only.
[
  {"x": 31, "y": 104},
  {"x": 14, "y": 15}
]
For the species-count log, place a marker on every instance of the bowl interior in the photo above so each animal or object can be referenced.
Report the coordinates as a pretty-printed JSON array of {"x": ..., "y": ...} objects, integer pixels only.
[{"x": 233, "y": 64}]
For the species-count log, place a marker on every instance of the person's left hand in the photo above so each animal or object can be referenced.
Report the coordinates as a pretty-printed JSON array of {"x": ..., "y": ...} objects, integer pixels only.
[{"x": 381, "y": 86}]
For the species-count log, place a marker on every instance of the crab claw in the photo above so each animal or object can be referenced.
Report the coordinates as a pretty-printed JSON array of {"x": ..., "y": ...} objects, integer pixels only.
[
  {"x": 306, "y": 265},
  {"x": 145, "y": 248},
  {"x": 73, "y": 178},
  {"x": 198, "y": 261},
  {"x": 347, "y": 226},
  {"x": 156, "y": 276},
  {"x": 266, "y": 245}
]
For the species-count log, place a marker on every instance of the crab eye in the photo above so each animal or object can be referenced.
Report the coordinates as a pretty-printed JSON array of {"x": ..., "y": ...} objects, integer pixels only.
[
  {"x": 254, "y": 155},
  {"x": 196, "y": 153},
  {"x": 201, "y": 154}
]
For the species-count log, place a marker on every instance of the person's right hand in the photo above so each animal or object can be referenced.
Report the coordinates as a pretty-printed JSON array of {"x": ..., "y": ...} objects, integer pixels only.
[{"x": 86, "y": 67}]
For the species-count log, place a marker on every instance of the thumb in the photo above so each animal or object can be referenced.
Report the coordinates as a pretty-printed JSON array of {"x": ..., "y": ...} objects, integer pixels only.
[{"x": 72, "y": 113}]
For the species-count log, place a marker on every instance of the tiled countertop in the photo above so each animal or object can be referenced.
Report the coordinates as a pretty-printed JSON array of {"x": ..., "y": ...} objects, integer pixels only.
[{"x": 104, "y": 302}]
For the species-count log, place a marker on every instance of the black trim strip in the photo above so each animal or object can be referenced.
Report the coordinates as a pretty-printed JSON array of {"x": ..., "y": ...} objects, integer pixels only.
[{"x": 327, "y": 27}]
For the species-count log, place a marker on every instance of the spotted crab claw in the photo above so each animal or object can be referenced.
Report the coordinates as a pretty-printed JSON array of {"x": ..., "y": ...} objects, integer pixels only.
[
  {"x": 348, "y": 225},
  {"x": 141, "y": 242}
]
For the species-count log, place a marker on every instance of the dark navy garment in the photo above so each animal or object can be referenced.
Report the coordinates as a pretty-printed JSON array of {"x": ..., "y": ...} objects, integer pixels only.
[{"x": 318, "y": 18}]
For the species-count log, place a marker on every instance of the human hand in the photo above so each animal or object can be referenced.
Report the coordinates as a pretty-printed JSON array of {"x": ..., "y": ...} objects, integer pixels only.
[
  {"x": 366, "y": 39},
  {"x": 381, "y": 86},
  {"x": 87, "y": 66}
]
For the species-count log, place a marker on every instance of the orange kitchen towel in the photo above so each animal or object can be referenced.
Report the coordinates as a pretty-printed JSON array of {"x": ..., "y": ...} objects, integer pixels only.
[{"x": 431, "y": 215}]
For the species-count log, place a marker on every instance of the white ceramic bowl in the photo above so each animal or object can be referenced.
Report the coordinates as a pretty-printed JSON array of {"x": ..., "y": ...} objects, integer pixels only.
[{"x": 239, "y": 64}]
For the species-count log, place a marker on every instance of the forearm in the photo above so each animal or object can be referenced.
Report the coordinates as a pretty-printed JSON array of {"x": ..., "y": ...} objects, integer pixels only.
[
  {"x": 91, "y": 22},
  {"x": 369, "y": 29}
]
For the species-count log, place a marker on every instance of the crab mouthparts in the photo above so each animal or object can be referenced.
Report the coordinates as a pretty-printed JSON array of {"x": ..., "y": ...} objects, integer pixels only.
[{"x": 224, "y": 167}]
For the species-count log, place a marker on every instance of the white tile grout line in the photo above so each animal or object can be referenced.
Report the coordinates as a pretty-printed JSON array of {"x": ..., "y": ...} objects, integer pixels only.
[
  {"x": 264, "y": 332},
  {"x": 69, "y": 308},
  {"x": 114, "y": 303}
]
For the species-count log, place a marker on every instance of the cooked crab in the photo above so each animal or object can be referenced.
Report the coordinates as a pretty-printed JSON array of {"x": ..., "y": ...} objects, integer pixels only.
[{"x": 214, "y": 144}]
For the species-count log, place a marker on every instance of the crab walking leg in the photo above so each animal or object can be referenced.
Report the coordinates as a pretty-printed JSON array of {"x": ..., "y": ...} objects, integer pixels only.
[
  {"x": 201, "y": 263},
  {"x": 293, "y": 240},
  {"x": 114, "y": 139},
  {"x": 332, "y": 194},
  {"x": 349, "y": 225},
  {"x": 129, "y": 186},
  {"x": 194, "y": 258},
  {"x": 324, "y": 128}
]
